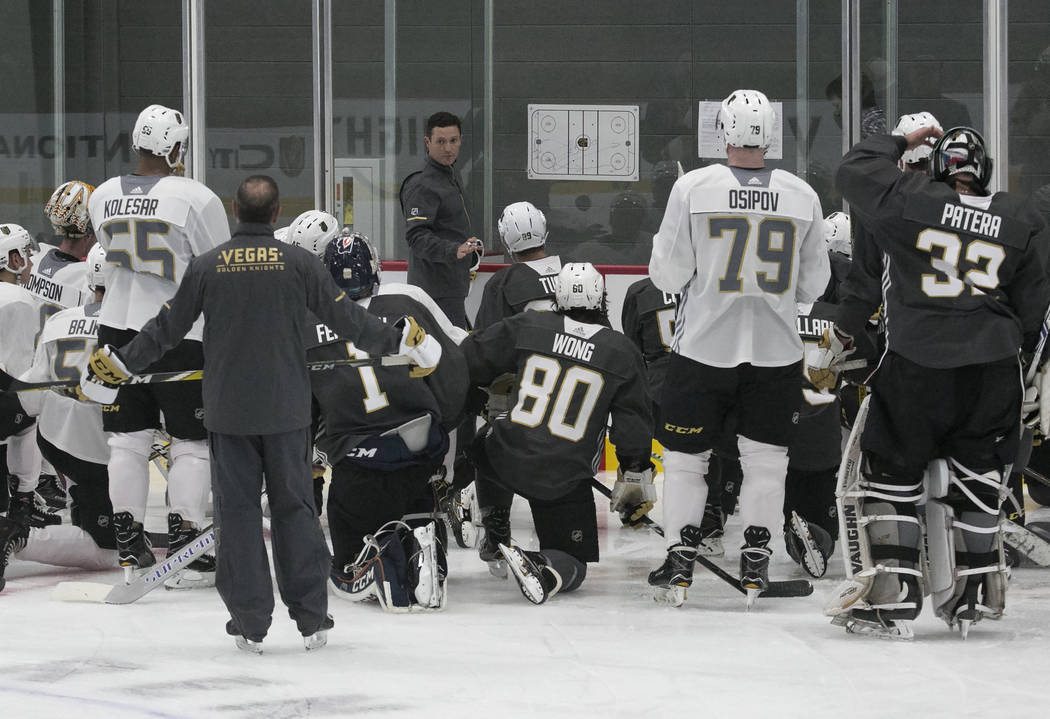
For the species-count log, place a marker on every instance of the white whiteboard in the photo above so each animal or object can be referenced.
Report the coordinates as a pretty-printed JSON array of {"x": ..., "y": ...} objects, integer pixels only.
[{"x": 583, "y": 142}]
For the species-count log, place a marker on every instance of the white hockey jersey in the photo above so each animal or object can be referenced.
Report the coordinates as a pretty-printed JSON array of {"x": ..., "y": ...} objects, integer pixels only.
[
  {"x": 58, "y": 280},
  {"x": 68, "y": 338},
  {"x": 19, "y": 324},
  {"x": 151, "y": 227},
  {"x": 742, "y": 248}
]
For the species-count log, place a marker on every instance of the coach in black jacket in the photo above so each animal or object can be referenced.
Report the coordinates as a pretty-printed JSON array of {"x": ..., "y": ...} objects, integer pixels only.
[{"x": 437, "y": 222}]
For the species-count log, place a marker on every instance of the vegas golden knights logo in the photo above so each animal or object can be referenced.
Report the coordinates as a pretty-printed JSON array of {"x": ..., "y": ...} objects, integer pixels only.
[{"x": 292, "y": 151}]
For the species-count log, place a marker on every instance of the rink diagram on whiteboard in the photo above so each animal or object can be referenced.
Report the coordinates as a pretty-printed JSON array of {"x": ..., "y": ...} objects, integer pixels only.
[{"x": 583, "y": 142}]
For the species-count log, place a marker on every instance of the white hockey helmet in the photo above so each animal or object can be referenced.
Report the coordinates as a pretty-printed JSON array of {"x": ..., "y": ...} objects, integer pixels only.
[
  {"x": 158, "y": 130},
  {"x": 909, "y": 124},
  {"x": 68, "y": 209},
  {"x": 281, "y": 234},
  {"x": 580, "y": 286},
  {"x": 14, "y": 238},
  {"x": 838, "y": 233},
  {"x": 97, "y": 267},
  {"x": 522, "y": 226},
  {"x": 312, "y": 231},
  {"x": 746, "y": 119}
]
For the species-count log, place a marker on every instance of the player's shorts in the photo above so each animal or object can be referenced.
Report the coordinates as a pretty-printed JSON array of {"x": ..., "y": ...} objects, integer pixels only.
[
  {"x": 568, "y": 523},
  {"x": 918, "y": 413},
  {"x": 139, "y": 407},
  {"x": 13, "y": 418},
  {"x": 91, "y": 509},
  {"x": 704, "y": 402}
]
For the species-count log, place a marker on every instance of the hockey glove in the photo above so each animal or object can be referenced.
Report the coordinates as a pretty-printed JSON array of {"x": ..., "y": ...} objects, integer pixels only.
[
  {"x": 106, "y": 370},
  {"x": 423, "y": 350},
  {"x": 633, "y": 495},
  {"x": 1036, "y": 406},
  {"x": 834, "y": 348}
]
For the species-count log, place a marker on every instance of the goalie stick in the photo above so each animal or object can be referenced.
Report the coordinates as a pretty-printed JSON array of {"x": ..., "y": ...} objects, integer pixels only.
[
  {"x": 786, "y": 588},
  {"x": 145, "y": 581},
  {"x": 7, "y": 382},
  {"x": 1027, "y": 542}
]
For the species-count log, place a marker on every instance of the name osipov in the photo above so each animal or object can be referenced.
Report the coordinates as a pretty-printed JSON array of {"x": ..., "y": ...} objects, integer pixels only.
[
  {"x": 573, "y": 347},
  {"x": 764, "y": 200},
  {"x": 970, "y": 219},
  {"x": 130, "y": 206}
]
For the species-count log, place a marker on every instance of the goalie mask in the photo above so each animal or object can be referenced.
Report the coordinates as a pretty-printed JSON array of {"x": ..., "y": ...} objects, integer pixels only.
[
  {"x": 68, "y": 209},
  {"x": 158, "y": 130},
  {"x": 522, "y": 227},
  {"x": 354, "y": 264},
  {"x": 14, "y": 238},
  {"x": 961, "y": 149},
  {"x": 909, "y": 124},
  {"x": 97, "y": 267},
  {"x": 838, "y": 233},
  {"x": 312, "y": 231},
  {"x": 746, "y": 120},
  {"x": 580, "y": 286}
]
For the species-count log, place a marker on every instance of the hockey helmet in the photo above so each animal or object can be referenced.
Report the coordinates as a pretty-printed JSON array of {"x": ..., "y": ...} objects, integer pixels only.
[
  {"x": 580, "y": 286},
  {"x": 909, "y": 124},
  {"x": 14, "y": 238},
  {"x": 158, "y": 130},
  {"x": 354, "y": 264},
  {"x": 312, "y": 231},
  {"x": 961, "y": 149},
  {"x": 97, "y": 267},
  {"x": 838, "y": 233},
  {"x": 522, "y": 227},
  {"x": 746, "y": 119},
  {"x": 68, "y": 209}
]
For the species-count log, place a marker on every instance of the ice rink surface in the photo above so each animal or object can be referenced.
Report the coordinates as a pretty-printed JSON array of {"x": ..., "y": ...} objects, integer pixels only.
[{"x": 606, "y": 650}]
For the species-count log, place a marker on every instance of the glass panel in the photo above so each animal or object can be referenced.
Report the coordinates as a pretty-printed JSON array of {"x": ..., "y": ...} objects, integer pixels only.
[
  {"x": 260, "y": 99},
  {"x": 664, "y": 56},
  {"x": 1029, "y": 74}
]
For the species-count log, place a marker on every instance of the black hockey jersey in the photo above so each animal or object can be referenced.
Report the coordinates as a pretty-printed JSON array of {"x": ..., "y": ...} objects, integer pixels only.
[
  {"x": 648, "y": 321},
  {"x": 519, "y": 287},
  {"x": 963, "y": 278},
  {"x": 572, "y": 377},
  {"x": 358, "y": 402},
  {"x": 817, "y": 443}
]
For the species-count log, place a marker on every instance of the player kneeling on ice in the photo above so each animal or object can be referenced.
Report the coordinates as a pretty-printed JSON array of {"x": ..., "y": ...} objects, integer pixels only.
[
  {"x": 942, "y": 421},
  {"x": 384, "y": 430},
  {"x": 573, "y": 373}
]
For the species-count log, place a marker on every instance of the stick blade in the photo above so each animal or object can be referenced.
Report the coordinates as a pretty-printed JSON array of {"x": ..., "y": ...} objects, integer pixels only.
[
  {"x": 789, "y": 588},
  {"x": 92, "y": 592}
]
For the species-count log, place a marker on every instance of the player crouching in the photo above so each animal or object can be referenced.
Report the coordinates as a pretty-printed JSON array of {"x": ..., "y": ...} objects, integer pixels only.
[{"x": 573, "y": 372}]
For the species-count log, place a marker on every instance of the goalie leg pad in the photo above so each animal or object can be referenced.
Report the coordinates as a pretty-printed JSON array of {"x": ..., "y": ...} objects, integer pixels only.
[
  {"x": 966, "y": 565},
  {"x": 427, "y": 567},
  {"x": 881, "y": 538}
]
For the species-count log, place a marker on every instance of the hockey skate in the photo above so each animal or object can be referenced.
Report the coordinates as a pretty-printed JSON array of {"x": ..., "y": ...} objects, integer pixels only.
[
  {"x": 319, "y": 638},
  {"x": 245, "y": 644},
  {"x": 536, "y": 579},
  {"x": 496, "y": 521},
  {"x": 465, "y": 516},
  {"x": 973, "y": 606},
  {"x": 672, "y": 578},
  {"x": 754, "y": 563},
  {"x": 52, "y": 490},
  {"x": 809, "y": 545},
  {"x": 133, "y": 546},
  {"x": 891, "y": 620},
  {"x": 201, "y": 572},
  {"x": 30, "y": 509},
  {"x": 13, "y": 537}
]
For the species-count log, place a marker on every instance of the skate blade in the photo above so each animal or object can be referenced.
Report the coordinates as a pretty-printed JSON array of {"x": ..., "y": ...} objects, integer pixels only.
[
  {"x": 964, "y": 627},
  {"x": 897, "y": 630},
  {"x": 313, "y": 642},
  {"x": 248, "y": 646},
  {"x": 672, "y": 596},
  {"x": 530, "y": 584},
  {"x": 498, "y": 568},
  {"x": 190, "y": 579},
  {"x": 753, "y": 594}
]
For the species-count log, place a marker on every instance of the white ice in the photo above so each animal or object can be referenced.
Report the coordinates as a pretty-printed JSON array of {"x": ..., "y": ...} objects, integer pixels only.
[{"x": 606, "y": 650}]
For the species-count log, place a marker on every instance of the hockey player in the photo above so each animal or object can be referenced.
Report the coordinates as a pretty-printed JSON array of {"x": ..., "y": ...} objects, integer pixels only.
[
  {"x": 152, "y": 223},
  {"x": 528, "y": 283},
  {"x": 574, "y": 372},
  {"x": 71, "y": 438},
  {"x": 742, "y": 244},
  {"x": 964, "y": 290},
  {"x": 20, "y": 323},
  {"x": 385, "y": 434}
]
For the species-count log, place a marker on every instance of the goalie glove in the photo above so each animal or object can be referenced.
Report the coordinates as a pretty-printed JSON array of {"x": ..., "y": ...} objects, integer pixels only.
[
  {"x": 106, "y": 370},
  {"x": 633, "y": 495},
  {"x": 1035, "y": 409},
  {"x": 824, "y": 367},
  {"x": 418, "y": 346}
]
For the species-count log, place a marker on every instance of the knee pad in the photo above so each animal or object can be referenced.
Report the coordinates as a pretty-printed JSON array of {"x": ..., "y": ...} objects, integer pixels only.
[
  {"x": 189, "y": 478},
  {"x": 762, "y": 487},
  {"x": 967, "y": 572},
  {"x": 881, "y": 538},
  {"x": 571, "y": 570}
]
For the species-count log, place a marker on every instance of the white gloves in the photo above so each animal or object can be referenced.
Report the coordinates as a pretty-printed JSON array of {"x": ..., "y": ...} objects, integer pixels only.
[
  {"x": 633, "y": 495},
  {"x": 418, "y": 346},
  {"x": 1035, "y": 409}
]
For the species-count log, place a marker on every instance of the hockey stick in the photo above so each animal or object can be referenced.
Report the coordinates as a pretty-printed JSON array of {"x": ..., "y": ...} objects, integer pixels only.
[
  {"x": 786, "y": 588},
  {"x": 145, "y": 581},
  {"x": 7, "y": 382}
]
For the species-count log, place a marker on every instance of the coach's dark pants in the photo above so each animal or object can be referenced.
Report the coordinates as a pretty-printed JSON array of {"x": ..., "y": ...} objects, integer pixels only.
[{"x": 239, "y": 464}]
